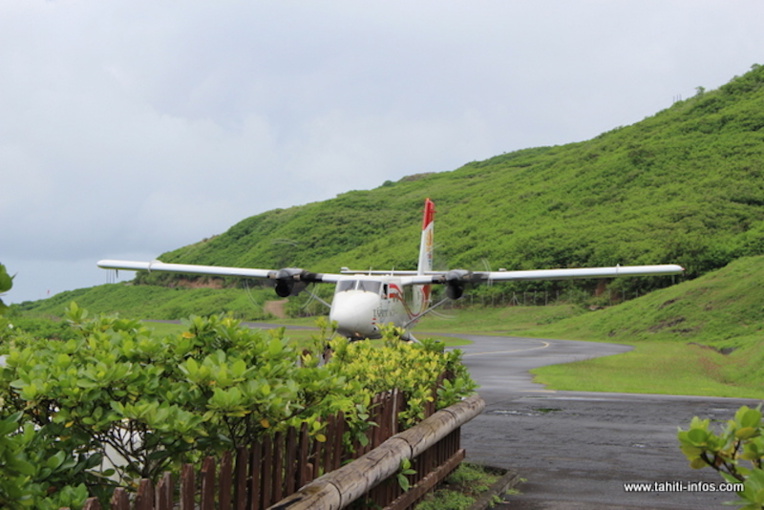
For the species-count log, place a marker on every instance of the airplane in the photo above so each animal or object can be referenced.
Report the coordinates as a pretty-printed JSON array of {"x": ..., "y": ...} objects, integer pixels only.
[{"x": 364, "y": 301}]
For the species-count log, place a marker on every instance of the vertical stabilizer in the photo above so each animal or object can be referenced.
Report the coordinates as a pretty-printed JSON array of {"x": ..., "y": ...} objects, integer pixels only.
[{"x": 422, "y": 293}]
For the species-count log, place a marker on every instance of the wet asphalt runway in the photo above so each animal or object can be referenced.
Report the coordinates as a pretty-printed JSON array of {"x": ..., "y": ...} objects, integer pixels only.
[{"x": 576, "y": 450}]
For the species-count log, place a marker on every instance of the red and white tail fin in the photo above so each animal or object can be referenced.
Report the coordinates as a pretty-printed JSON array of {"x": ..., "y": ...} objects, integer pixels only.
[{"x": 422, "y": 293}]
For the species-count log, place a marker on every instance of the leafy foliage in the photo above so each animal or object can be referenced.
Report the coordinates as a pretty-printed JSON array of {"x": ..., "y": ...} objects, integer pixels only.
[
  {"x": 408, "y": 367},
  {"x": 404, "y": 472},
  {"x": 114, "y": 402},
  {"x": 37, "y": 472},
  {"x": 736, "y": 452}
]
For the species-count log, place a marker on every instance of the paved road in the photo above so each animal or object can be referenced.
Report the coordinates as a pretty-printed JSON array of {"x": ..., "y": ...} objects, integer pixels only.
[{"x": 577, "y": 449}]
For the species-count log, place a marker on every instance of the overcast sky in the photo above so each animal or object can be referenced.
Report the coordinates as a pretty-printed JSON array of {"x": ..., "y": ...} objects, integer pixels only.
[{"x": 130, "y": 128}]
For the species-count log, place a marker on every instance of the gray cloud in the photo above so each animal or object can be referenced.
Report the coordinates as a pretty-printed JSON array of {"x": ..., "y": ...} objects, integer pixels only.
[{"x": 132, "y": 128}]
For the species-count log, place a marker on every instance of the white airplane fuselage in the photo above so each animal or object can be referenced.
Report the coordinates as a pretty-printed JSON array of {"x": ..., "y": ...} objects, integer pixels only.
[{"x": 363, "y": 303}]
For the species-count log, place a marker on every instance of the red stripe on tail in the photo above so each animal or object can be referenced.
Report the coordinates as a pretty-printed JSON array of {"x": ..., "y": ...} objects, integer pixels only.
[{"x": 429, "y": 213}]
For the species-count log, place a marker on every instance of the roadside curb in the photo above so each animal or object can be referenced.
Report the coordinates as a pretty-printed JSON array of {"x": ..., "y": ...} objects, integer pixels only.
[{"x": 508, "y": 481}]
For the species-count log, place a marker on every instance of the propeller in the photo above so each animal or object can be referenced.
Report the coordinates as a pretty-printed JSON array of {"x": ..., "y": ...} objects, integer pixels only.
[
  {"x": 290, "y": 281},
  {"x": 457, "y": 279}
]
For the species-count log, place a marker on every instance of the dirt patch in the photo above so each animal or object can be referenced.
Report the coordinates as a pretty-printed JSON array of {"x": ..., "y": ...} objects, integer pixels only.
[
  {"x": 667, "y": 303},
  {"x": 199, "y": 283},
  {"x": 276, "y": 308},
  {"x": 724, "y": 350},
  {"x": 668, "y": 323}
]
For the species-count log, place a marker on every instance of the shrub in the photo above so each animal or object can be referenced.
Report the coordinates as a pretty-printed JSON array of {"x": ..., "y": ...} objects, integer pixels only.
[
  {"x": 114, "y": 402},
  {"x": 736, "y": 452}
]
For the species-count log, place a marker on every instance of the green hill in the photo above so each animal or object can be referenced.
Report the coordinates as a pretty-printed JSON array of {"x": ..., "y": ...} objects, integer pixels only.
[{"x": 683, "y": 186}]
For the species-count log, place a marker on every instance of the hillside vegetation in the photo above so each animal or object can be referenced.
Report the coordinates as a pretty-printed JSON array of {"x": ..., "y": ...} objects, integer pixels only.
[{"x": 683, "y": 186}]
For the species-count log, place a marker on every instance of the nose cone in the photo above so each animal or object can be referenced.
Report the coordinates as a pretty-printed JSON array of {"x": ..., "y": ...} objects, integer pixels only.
[{"x": 355, "y": 312}]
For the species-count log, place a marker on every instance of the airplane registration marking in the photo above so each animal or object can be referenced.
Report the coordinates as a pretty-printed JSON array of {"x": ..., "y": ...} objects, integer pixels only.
[{"x": 543, "y": 345}]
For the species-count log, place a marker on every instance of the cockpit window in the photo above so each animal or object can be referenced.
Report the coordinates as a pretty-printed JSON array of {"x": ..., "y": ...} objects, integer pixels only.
[
  {"x": 346, "y": 285},
  {"x": 369, "y": 286},
  {"x": 364, "y": 285}
]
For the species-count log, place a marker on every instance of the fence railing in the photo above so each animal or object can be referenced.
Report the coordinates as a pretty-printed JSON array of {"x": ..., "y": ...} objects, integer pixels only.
[
  {"x": 267, "y": 471},
  {"x": 433, "y": 444}
]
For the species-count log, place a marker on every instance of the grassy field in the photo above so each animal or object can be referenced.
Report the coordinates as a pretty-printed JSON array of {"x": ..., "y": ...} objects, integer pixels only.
[
  {"x": 701, "y": 337},
  {"x": 654, "y": 366},
  {"x": 299, "y": 336}
]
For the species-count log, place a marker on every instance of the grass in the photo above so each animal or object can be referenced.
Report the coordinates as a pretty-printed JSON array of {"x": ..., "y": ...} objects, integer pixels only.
[
  {"x": 299, "y": 336},
  {"x": 460, "y": 489},
  {"x": 656, "y": 367},
  {"x": 512, "y": 320},
  {"x": 701, "y": 337}
]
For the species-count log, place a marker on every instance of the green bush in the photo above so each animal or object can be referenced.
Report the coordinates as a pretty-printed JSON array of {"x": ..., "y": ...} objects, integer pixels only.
[
  {"x": 114, "y": 402},
  {"x": 37, "y": 470}
]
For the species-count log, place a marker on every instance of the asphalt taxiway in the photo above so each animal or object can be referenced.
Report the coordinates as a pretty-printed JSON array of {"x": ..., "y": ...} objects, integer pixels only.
[{"x": 578, "y": 450}]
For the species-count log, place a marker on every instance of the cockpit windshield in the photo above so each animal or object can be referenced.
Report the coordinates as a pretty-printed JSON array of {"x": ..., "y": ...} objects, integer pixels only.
[
  {"x": 346, "y": 285},
  {"x": 369, "y": 286},
  {"x": 364, "y": 285}
]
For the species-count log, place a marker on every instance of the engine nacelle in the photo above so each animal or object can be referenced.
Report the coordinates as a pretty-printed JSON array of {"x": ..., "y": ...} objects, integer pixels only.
[
  {"x": 454, "y": 290},
  {"x": 456, "y": 280},
  {"x": 288, "y": 281}
]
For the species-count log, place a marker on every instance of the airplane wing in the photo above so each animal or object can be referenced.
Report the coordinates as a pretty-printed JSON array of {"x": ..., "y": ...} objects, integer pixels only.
[
  {"x": 464, "y": 276},
  {"x": 415, "y": 278},
  {"x": 287, "y": 280},
  {"x": 290, "y": 280},
  {"x": 457, "y": 279},
  {"x": 158, "y": 266},
  {"x": 592, "y": 272}
]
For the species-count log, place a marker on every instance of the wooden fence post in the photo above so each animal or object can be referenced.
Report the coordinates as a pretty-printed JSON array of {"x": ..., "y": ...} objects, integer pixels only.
[
  {"x": 341, "y": 487},
  {"x": 187, "y": 487}
]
